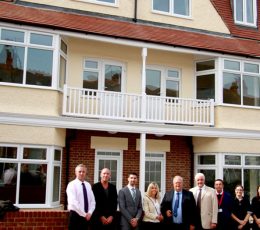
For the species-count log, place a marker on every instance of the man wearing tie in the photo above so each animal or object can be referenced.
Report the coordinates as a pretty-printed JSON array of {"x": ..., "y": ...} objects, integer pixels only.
[
  {"x": 224, "y": 205},
  {"x": 207, "y": 204},
  {"x": 81, "y": 200},
  {"x": 178, "y": 207},
  {"x": 130, "y": 204}
]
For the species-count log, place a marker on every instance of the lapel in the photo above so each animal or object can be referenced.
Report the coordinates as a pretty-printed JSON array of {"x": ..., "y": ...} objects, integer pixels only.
[
  {"x": 128, "y": 192},
  {"x": 203, "y": 192}
]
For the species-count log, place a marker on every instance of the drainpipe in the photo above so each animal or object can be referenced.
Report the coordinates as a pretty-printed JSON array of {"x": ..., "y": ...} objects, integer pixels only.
[{"x": 135, "y": 11}]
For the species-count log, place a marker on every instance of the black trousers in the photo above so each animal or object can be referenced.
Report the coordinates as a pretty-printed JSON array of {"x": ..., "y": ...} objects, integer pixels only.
[
  {"x": 151, "y": 226},
  {"x": 77, "y": 222}
]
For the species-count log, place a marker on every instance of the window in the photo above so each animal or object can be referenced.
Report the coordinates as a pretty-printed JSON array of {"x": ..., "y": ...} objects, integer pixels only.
[
  {"x": 103, "y": 75},
  {"x": 111, "y": 160},
  {"x": 155, "y": 170},
  {"x": 245, "y": 12},
  {"x": 174, "y": 7},
  {"x": 205, "y": 79},
  {"x": 26, "y": 58},
  {"x": 24, "y": 169},
  {"x": 63, "y": 64},
  {"x": 163, "y": 82},
  {"x": 233, "y": 168},
  {"x": 241, "y": 83},
  {"x": 102, "y": 2}
]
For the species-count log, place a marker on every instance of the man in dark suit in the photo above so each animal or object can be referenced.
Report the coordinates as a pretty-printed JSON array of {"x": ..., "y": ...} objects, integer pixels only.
[
  {"x": 130, "y": 204},
  {"x": 224, "y": 205},
  {"x": 106, "y": 202},
  {"x": 178, "y": 207}
]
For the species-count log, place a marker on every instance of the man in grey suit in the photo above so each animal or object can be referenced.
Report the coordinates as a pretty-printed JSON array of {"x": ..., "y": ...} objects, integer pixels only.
[{"x": 130, "y": 204}]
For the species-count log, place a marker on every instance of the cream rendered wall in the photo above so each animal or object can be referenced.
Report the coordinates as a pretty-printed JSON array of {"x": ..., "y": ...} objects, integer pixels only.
[
  {"x": 183, "y": 62},
  {"x": 32, "y": 135},
  {"x": 155, "y": 145},
  {"x": 109, "y": 143},
  {"x": 124, "y": 9},
  {"x": 20, "y": 100},
  {"x": 203, "y": 16},
  {"x": 237, "y": 118},
  {"x": 224, "y": 145},
  {"x": 78, "y": 49}
]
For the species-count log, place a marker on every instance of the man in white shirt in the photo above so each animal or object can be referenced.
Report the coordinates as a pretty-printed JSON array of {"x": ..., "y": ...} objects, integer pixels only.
[{"x": 81, "y": 200}]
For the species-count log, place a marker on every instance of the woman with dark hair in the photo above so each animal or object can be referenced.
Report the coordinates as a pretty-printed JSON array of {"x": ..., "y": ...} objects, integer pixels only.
[
  {"x": 151, "y": 206},
  {"x": 241, "y": 210},
  {"x": 256, "y": 209}
]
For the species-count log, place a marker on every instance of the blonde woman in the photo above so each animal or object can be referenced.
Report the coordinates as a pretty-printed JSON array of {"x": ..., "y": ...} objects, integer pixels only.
[{"x": 151, "y": 206}]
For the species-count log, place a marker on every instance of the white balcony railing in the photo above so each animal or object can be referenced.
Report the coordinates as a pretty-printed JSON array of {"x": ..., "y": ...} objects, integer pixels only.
[{"x": 80, "y": 102}]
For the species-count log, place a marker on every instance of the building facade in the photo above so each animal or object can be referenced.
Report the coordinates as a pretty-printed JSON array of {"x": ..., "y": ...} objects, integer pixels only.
[{"x": 156, "y": 87}]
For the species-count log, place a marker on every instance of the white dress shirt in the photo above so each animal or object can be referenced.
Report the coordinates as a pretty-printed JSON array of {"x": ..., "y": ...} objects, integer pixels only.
[{"x": 76, "y": 198}]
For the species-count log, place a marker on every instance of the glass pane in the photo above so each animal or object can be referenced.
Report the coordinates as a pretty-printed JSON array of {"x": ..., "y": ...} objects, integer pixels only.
[
  {"x": 32, "y": 179},
  {"x": 56, "y": 184},
  {"x": 113, "y": 79},
  {"x": 153, "y": 82},
  {"x": 181, "y": 7},
  {"x": 232, "y": 65},
  {"x": 231, "y": 88},
  {"x": 232, "y": 177},
  {"x": 210, "y": 176},
  {"x": 249, "y": 11},
  {"x": 206, "y": 86},
  {"x": 173, "y": 74},
  {"x": 161, "y": 5},
  {"x": 239, "y": 10},
  {"x": 251, "y": 68},
  {"x": 8, "y": 152},
  {"x": 11, "y": 64},
  {"x": 111, "y": 1},
  {"x": 206, "y": 160},
  {"x": 63, "y": 47},
  {"x": 252, "y": 160},
  {"x": 172, "y": 88},
  {"x": 205, "y": 65},
  {"x": 153, "y": 172},
  {"x": 8, "y": 180},
  {"x": 57, "y": 155},
  {"x": 232, "y": 160},
  {"x": 41, "y": 39},
  {"x": 63, "y": 64},
  {"x": 11, "y": 35},
  {"x": 39, "y": 67},
  {"x": 112, "y": 165},
  {"x": 251, "y": 181},
  {"x": 90, "y": 80},
  {"x": 251, "y": 90},
  {"x": 33, "y": 153},
  {"x": 91, "y": 64}
]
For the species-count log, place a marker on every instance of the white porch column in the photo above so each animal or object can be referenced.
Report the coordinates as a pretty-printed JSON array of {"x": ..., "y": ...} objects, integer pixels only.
[
  {"x": 143, "y": 109},
  {"x": 142, "y": 162}
]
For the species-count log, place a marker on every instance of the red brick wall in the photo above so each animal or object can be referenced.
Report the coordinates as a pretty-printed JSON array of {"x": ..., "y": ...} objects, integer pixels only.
[{"x": 35, "y": 220}]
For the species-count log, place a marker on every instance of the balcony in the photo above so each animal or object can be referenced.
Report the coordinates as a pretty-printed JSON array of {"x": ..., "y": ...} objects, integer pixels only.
[{"x": 78, "y": 102}]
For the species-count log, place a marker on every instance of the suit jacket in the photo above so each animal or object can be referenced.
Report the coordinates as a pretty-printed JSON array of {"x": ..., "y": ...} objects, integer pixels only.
[
  {"x": 188, "y": 207},
  {"x": 128, "y": 207},
  {"x": 106, "y": 203},
  {"x": 209, "y": 206}
]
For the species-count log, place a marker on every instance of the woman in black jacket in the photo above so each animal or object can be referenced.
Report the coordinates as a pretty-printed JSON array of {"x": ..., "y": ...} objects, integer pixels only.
[{"x": 256, "y": 209}]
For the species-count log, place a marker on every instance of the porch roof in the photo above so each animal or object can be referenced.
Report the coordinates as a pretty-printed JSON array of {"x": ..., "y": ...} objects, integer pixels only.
[{"x": 13, "y": 13}]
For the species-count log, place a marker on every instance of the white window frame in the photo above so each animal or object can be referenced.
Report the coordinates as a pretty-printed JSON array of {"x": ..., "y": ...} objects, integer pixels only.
[
  {"x": 101, "y": 71},
  {"x": 164, "y": 77},
  {"x": 100, "y": 2},
  {"x": 171, "y": 10},
  {"x": 161, "y": 159},
  {"x": 119, "y": 160},
  {"x": 26, "y": 45},
  {"x": 244, "y": 10},
  {"x": 63, "y": 55},
  {"x": 49, "y": 161}
]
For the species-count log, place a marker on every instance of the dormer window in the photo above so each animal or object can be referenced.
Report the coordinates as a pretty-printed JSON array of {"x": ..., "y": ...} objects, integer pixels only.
[{"x": 245, "y": 12}]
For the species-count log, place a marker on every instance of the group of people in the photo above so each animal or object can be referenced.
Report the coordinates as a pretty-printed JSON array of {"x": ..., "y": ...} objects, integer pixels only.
[{"x": 199, "y": 208}]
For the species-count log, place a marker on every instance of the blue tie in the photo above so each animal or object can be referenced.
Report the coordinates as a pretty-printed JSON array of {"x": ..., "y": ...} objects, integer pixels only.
[
  {"x": 85, "y": 197},
  {"x": 176, "y": 205}
]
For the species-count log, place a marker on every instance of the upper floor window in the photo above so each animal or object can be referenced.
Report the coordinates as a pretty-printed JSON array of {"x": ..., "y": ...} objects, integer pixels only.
[
  {"x": 63, "y": 64},
  {"x": 103, "y": 2},
  {"x": 241, "y": 83},
  {"x": 26, "y": 58},
  {"x": 163, "y": 82},
  {"x": 245, "y": 12},
  {"x": 174, "y": 7},
  {"x": 27, "y": 169}
]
